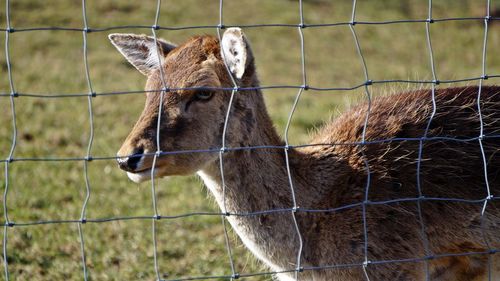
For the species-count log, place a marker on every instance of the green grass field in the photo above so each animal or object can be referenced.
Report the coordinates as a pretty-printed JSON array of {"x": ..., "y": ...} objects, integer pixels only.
[{"x": 51, "y": 62}]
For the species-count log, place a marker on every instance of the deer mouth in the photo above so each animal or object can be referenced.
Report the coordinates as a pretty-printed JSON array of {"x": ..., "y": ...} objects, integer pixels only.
[{"x": 142, "y": 175}]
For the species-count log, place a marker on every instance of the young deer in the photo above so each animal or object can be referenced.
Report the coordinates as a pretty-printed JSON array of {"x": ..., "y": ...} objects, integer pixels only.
[{"x": 450, "y": 239}]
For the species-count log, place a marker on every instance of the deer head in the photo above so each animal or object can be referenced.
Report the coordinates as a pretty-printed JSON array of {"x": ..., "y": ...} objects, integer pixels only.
[{"x": 193, "y": 118}]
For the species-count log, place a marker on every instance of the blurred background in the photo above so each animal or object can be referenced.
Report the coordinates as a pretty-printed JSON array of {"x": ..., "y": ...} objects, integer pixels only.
[{"x": 50, "y": 62}]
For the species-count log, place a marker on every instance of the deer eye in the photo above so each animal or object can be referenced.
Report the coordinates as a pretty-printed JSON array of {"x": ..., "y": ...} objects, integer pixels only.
[{"x": 204, "y": 95}]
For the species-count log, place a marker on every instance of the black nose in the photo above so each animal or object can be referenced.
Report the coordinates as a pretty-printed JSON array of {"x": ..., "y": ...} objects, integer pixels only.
[{"x": 130, "y": 163}]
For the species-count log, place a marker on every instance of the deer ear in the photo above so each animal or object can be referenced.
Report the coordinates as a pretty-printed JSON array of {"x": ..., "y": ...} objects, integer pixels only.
[
  {"x": 235, "y": 51},
  {"x": 140, "y": 50}
]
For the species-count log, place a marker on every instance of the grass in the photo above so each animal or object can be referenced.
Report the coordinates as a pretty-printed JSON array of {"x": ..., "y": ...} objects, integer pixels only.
[{"x": 51, "y": 62}]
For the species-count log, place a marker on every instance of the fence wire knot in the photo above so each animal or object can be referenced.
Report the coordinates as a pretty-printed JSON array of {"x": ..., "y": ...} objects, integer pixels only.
[{"x": 431, "y": 257}]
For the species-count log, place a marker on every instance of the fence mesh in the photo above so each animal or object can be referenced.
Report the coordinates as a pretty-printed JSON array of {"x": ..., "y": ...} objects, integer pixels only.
[{"x": 301, "y": 24}]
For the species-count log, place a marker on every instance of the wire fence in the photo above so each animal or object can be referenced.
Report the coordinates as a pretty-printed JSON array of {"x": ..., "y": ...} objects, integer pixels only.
[{"x": 365, "y": 83}]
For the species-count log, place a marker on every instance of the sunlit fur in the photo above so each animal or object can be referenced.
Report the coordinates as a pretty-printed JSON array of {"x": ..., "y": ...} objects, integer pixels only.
[{"x": 334, "y": 174}]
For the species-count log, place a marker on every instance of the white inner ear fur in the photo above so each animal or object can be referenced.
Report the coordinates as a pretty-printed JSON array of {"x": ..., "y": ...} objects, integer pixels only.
[
  {"x": 141, "y": 51},
  {"x": 234, "y": 51},
  {"x": 155, "y": 56}
]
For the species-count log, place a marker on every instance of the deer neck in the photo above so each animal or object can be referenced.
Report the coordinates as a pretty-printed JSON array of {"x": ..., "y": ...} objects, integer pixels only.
[{"x": 256, "y": 180}]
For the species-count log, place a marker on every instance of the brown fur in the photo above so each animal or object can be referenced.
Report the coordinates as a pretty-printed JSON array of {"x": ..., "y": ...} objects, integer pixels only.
[{"x": 334, "y": 174}]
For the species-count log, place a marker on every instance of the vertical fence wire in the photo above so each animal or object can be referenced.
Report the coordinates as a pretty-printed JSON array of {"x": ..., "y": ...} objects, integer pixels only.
[
  {"x": 9, "y": 159},
  {"x": 368, "y": 83},
  {"x": 234, "y": 91},
  {"x": 481, "y": 122},
  {"x": 90, "y": 141},
  {"x": 423, "y": 231},
  {"x": 158, "y": 142},
  {"x": 489, "y": 196},
  {"x": 295, "y": 207}
]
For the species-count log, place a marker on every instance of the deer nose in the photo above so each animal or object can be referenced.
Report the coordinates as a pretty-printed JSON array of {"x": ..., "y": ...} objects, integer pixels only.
[{"x": 131, "y": 163}]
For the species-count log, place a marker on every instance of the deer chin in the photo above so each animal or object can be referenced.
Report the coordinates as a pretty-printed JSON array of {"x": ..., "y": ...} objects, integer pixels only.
[{"x": 141, "y": 176}]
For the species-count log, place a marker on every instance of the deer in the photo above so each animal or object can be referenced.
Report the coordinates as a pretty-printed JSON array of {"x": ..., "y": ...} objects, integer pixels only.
[{"x": 443, "y": 159}]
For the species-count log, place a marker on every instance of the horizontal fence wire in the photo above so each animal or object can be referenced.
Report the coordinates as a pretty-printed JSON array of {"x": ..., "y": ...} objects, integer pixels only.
[
  {"x": 300, "y": 25},
  {"x": 267, "y": 147},
  {"x": 364, "y": 83},
  {"x": 241, "y": 89},
  {"x": 257, "y": 213}
]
